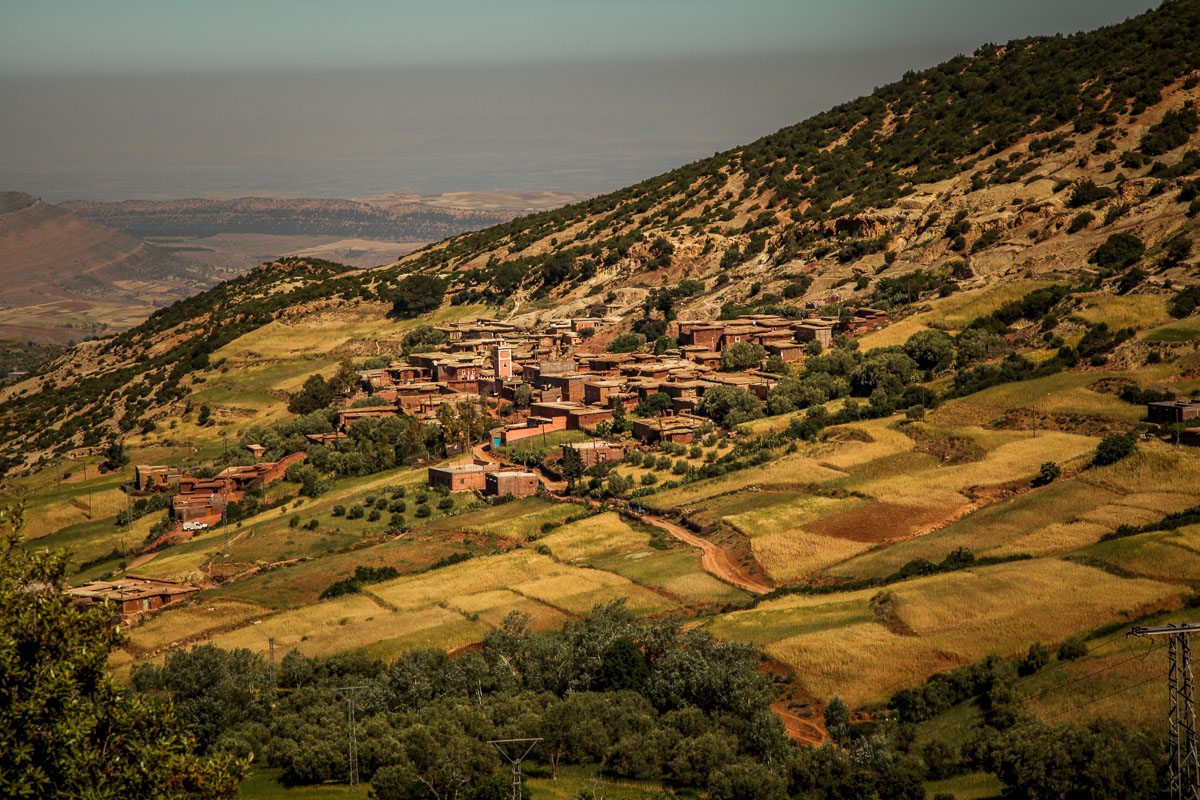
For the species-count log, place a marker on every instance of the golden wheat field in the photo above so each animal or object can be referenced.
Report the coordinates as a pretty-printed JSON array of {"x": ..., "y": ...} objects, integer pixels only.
[{"x": 930, "y": 624}]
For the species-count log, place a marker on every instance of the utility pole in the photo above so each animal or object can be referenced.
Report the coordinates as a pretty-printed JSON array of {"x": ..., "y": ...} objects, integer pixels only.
[
  {"x": 225, "y": 517},
  {"x": 348, "y": 693},
  {"x": 1184, "y": 760},
  {"x": 509, "y": 749},
  {"x": 274, "y": 682}
]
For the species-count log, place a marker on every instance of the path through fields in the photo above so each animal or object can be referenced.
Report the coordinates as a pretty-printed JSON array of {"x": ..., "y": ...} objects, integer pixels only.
[{"x": 714, "y": 559}]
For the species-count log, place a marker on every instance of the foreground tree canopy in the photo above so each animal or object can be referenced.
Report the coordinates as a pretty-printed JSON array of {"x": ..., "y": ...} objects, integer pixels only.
[{"x": 67, "y": 729}]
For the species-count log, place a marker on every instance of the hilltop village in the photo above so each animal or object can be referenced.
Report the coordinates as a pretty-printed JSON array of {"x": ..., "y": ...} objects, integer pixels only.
[
  {"x": 531, "y": 381},
  {"x": 551, "y": 378}
]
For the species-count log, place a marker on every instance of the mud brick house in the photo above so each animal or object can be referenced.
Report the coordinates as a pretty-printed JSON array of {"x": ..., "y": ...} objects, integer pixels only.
[
  {"x": 1169, "y": 412},
  {"x": 702, "y": 334},
  {"x": 136, "y": 595},
  {"x": 814, "y": 331},
  {"x": 259, "y": 475},
  {"x": 595, "y": 452},
  {"x": 155, "y": 478},
  {"x": 678, "y": 430},
  {"x": 511, "y": 482},
  {"x": 789, "y": 351},
  {"x": 348, "y": 416},
  {"x": 609, "y": 364},
  {"x": 552, "y": 410},
  {"x": 203, "y": 501},
  {"x": 325, "y": 439},
  {"x": 585, "y": 417},
  {"x": 706, "y": 358},
  {"x": 597, "y": 392},
  {"x": 461, "y": 476},
  {"x": 569, "y": 385},
  {"x": 534, "y": 372},
  {"x": 410, "y": 398},
  {"x": 736, "y": 334}
]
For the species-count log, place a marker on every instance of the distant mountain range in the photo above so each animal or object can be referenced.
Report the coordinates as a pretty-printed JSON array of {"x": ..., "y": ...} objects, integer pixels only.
[
  {"x": 396, "y": 222},
  {"x": 64, "y": 277}
]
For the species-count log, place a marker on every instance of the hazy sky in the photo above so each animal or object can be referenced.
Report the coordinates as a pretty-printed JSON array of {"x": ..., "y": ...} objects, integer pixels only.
[{"x": 157, "y": 98}]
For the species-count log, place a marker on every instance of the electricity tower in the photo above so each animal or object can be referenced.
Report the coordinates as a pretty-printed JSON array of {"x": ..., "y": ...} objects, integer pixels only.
[
  {"x": 1184, "y": 764},
  {"x": 509, "y": 749},
  {"x": 348, "y": 693}
]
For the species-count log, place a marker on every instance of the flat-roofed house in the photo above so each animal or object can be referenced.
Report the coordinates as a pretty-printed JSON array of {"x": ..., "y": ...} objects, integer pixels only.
[
  {"x": 597, "y": 392},
  {"x": 511, "y": 482},
  {"x": 586, "y": 417},
  {"x": 1169, "y": 412},
  {"x": 155, "y": 478},
  {"x": 788, "y": 351},
  {"x": 569, "y": 385},
  {"x": 136, "y": 595},
  {"x": 703, "y": 334},
  {"x": 348, "y": 416},
  {"x": 679, "y": 430},
  {"x": 595, "y": 452},
  {"x": 814, "y": 331},
  {"x": 461, "y": 476}
]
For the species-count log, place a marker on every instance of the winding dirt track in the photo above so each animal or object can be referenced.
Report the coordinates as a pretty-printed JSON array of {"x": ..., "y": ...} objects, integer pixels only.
[
  {"x": 799, "y": 729},
  {"x": 713, "y": 559}
]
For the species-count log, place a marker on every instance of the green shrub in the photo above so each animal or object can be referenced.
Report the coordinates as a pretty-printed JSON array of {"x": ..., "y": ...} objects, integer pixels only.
[
  {"x": 1119, "y": 251},
  {"x": 1112, "y": 448}
]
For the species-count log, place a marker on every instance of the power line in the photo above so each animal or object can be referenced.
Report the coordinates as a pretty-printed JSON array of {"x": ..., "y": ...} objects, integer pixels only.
[
  {"x": 1061, "y": 685},
  {"x": 1078, "y": 678},
  {"x": 1078, "y": 706}
]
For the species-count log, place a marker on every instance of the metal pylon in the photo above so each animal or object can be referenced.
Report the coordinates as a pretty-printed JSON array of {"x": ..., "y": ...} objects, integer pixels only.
[
  {"x": 348, "y": 693},
  {"x": 504, "y": 746},
  {"x": 1184, "y": 759}
]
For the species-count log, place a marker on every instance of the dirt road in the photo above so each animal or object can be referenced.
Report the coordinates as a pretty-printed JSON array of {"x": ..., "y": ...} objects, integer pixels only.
[
  {"x": 799, "y": 729},
  {"x": 713, "y": 558}
]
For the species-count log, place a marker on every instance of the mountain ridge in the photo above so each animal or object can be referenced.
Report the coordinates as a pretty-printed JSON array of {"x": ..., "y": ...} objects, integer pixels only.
[{"x": 829, "y": 211}]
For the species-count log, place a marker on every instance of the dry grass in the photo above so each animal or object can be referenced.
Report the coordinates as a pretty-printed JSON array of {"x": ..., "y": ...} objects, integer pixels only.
[
  {"x": 785, "y": 516},
  {"x": 790, "y": 554},
  {"x": 1136, "y": 311},
  {"x": 1064, "y": 393},
  {"x": 595, "y": 536},
  {"x": 786, "y": 471},
  {"x": 956, "y": 618},
  {"x": 516, "y": 521},
  {"x": 1163, "y": 555},
  {"x": 194, "y": 619},
  {"x": 951, "y": 313},
  {"x": 676, "y": 571}
]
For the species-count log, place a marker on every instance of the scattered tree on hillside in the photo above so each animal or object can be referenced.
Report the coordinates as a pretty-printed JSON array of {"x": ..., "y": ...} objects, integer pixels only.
[
  {"x": 570, "y": 466},
  {"x": 417, "y": 294}
]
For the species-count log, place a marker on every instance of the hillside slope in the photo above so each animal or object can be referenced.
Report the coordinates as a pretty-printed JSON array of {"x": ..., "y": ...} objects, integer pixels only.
[
  {"x": 55, "y": 265},
  {"x": 1017, "y": 162},
  {"x": 969, "y": 169}
]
